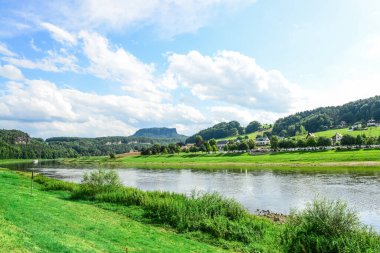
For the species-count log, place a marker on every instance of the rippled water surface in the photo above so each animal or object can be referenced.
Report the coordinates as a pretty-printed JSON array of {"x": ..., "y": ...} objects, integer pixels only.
[{"x": 275, "y": 190}]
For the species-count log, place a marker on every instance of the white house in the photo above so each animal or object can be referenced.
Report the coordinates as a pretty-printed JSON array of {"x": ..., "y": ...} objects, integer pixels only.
[
  {"x": 262, "y": 141},
  {"x": 372, "y": 122}
]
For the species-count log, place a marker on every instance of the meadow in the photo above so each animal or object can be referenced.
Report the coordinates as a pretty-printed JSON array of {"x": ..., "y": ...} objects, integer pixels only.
[
  {"x": 368, "y": 158},
  {"x": 48, "y": 221},
  {"x": 370, "y": 132},
  {"x": 101, "y": 215}
]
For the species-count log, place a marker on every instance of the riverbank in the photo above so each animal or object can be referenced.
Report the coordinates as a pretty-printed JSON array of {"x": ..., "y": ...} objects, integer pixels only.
[
  {"x": 50, "y": 222},
  {"x": 355, "y": 159}
]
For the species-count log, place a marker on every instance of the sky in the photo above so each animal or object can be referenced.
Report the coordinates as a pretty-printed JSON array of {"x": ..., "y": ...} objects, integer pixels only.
[{"x": 109, "y": 67}]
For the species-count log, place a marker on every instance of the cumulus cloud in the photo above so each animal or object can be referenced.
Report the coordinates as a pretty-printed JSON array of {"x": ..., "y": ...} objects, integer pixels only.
[
  {"x": 11, "y": 72},
  {"x": 232, "y": 78},
  {"x": 59, "y": 34},
  {"x": 39, "y": 103},
  {"x": 116, "y": 64}
]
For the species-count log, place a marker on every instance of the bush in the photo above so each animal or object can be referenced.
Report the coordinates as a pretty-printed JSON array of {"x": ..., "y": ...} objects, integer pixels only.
[
  {"x": 98, "y": 181},
  {"x": 327, "y": 226}
]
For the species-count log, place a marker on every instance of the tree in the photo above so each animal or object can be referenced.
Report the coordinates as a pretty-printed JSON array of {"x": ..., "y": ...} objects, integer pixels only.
[
  {"x": 324, "y": 141},
  {"x": 359, "y": 140},
  {"x": 311, "y": 142},
  {"x": 348, "y": 140},
  {"x": 253, "y": 127},
  {"x": 274, "y": 142},
  {"x": 212, "y": 142},
  {"x": 214, "y": 148},
  {"x": 207, "y": 146},
  {"x": 198, "y": 140},
  {"x": 251, "y": 144},
  {"x": 243, "y": 146},
  {"x": 177, "y": 149},
  {"x": 301, "y": 143}
]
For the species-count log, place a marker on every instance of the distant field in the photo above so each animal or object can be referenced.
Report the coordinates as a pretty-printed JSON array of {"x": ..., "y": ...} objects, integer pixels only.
[
  {"x": 250, "y": 135},
  {"x": 12, "y": 161},
  {"x": 370, "y": 132},
  {"x": 317, "y": 158}
]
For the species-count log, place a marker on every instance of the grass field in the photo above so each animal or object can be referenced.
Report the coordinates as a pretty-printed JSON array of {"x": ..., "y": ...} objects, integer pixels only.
[
  {"x": 48, "y": 222},
  {"x": 370, "y": 132},
  {"x": 250, "y": 135},
  {"x": 12, "y": 161},
  {"x": 316, "y": 158}
]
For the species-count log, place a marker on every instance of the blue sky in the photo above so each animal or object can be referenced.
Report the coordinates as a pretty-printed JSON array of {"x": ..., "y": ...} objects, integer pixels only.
[{"x": 100, "y": 68}]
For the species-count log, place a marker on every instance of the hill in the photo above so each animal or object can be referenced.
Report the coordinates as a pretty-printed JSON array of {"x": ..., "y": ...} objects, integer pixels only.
[
  {"x": 17, "y": 144},
  {"x": 218, "y": 131},
  {"x": 159, "y": 132},
  {"x": 325, "y": 118}
]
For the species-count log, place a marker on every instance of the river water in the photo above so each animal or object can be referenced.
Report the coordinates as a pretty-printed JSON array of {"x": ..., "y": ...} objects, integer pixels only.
[{"x": 263, "y": 189}]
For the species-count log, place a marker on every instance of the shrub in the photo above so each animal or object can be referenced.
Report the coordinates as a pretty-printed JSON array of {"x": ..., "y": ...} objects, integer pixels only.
[
  {"x": 98, "y": 181},
  {"x": 327, "y": 226}
]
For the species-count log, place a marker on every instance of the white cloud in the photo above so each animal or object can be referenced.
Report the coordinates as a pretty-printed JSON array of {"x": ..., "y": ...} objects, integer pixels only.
[
  {"x": 5, "y": 51},
  {"x": 11, "y": 72},
  {"x": 59, "y": 34},
  {"x": 116, "y": 64},
  {"x": 35, "y": 100},
  {"x": 47, "y": 110},
  {"x": 167, "y": 17},
  {"x": 54, "y": 62},
  {"x": 232, "y": 78},
  {"x": 34, "y": 47}
]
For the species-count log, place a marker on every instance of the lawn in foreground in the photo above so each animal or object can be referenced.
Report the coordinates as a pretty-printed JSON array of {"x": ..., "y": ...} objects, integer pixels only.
[{"x": 48, "y": 222}]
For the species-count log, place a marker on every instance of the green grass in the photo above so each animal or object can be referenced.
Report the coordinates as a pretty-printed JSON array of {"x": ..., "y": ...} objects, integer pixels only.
[
  {"x": 49, "y": 222},
  {"x": 250, "y": 135},
  {"x": 14, "y": 161},
  {"x": 370, "y": 132},
  {"x": 112, "y": 220},
  {"x": 216, "y": 219},
  {"x": 316, "y": 158}
]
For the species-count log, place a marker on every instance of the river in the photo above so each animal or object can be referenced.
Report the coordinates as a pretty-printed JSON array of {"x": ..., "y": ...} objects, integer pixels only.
[{"x": 264, "y": 189}]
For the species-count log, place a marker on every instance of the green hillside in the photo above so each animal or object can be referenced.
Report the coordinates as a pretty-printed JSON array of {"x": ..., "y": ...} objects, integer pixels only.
[
  {"x": 250, "y": 135},
  {"x": 324, "y": 118},
  {"x": 370, "y": 132}
]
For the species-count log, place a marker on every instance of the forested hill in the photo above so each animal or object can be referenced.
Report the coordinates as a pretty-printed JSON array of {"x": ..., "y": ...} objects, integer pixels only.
[
  {"x": 160, "y": 132},
  {"x": 329, "y": 117},
  {"x": 217, "y": 131},
  {"x": 17, "y": 144}
]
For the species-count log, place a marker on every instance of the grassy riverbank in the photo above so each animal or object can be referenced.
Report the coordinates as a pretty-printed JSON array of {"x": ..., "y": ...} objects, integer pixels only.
[
  {"x": 49, "y": 222},
  {"x": 368, "y": 159},
  {"x": 101, "y": 215}
]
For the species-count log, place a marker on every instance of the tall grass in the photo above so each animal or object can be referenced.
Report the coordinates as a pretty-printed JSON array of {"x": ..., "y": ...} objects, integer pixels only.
[
  {"x": 211, "y": 213},
  {"x": 207, "y": 212},
  {"x": 328, "y": 226},
  {"x": 323, "y": 226}
]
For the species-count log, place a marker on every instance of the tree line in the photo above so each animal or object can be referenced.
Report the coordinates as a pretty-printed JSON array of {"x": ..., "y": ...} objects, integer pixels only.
[
  {"x": 347, "y": 140},
  {"x": 324, "y": 118}
]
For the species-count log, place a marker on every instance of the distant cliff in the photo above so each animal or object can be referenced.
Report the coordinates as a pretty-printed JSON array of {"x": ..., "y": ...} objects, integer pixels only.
[{"x": 159, "y": 132}]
